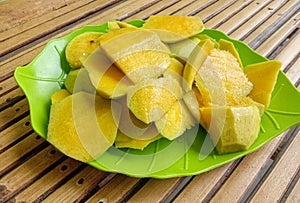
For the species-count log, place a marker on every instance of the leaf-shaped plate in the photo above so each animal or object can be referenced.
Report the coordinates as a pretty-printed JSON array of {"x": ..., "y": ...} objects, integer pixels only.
[{"x": 162, "y": 159}]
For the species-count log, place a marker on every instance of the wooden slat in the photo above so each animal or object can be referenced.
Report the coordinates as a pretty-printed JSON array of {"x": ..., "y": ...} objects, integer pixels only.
[
  {"x": 152, "y": 10},
  {"x": 155, "y": 190},
  {"x": 202, "y": 185},
  {"x": 237, "y": 184},
  {"x": 14, "y": 132},
  {"x": 50, "y": 22},
  {"x": 115, "y": 190},
  {"x": 77, "y": 187},
  {"x": 281, "y": 13},
  {"x": 6, "y": 85},
  {"x": 13, "y": 154},
  {"x": 27, "y": 10},
  {"x": 279, "y": 36},
  {"x": 42, "y": 187},
  {"x": 171, "y": 10},
  {"x": 288, "y": 53},
  {"x": 294, "y": 73},
  {"x": 281, "y": 175},
  {"x": 11, "y": 97},
  {"x": 246, "y": 173},
  {"x": 195, "y": 7},
  {"x": 13, "y": 112},
  {"x": 213, "y": 10},
  {"x": 223, "y": 15},
  {"x": 242, "y": 16},
  {"x": 273, "y": 10},
  {"x": 28, "y": 172}
]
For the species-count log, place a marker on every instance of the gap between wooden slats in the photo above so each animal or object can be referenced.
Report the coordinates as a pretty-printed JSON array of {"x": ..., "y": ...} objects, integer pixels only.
[{"x": 294, "y": 194}]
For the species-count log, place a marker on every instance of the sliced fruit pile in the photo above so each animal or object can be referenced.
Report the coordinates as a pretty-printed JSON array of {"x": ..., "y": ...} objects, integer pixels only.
[{"x": 132, "y": 86}]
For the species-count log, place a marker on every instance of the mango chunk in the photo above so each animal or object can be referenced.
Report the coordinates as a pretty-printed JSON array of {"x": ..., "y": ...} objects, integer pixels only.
[
  {"x": 150, "y": 99},
  {"x": 140, "y": 54},
  {"x": 59, "y": 95},
  {"x": 231, "y": 128},
  {"x": 88, "y": 125},
  {"x": 80, "y": 46},
  {"x": 108, "y": 80},
  {"x": 149, "y": 136},
  {"x": 78, "y": 80},
  {"x": 175, "y": 121},
  {"x": 263, "y": 76},
  {"x": 186, "y": 26}
]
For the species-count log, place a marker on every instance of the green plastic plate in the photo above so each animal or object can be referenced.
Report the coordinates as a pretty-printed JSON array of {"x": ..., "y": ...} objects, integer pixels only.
[{"x": 185, "y": 156}]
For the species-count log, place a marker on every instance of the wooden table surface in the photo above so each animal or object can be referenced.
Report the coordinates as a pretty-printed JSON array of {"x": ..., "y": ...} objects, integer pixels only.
[{"x": 31, "y": 170}]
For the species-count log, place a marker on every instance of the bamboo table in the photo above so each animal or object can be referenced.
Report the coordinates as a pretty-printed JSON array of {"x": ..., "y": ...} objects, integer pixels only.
[{"x": 31, "y": 170}]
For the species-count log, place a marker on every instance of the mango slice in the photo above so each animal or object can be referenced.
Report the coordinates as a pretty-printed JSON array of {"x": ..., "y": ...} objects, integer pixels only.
[
  {"x": 186, "y": 26},
  {"x": 87, "y": 123},
  {"x": 150, "y": 99},
  {"x": 184, "y": 48},
  {"x": 194, "y": 62},
  {"x": 131, "y": 126},
  {"x": 78, "y": 80},
  {"x": 108, "y": 80},
  {"x": 231, "y": 128},
  {"x": 59, "y": 95},
  {"x": 140, "y": 54},
  {"x": 193, "y": 101},
  {"x": 124, "y": 141},
  {"x": 80, "y": 46},
  {"x": 176, "y": 121},
  {"x": 263, "y": 76}
]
